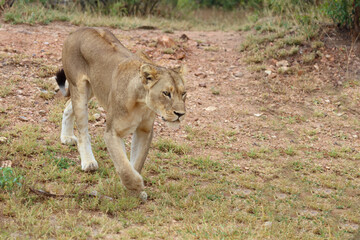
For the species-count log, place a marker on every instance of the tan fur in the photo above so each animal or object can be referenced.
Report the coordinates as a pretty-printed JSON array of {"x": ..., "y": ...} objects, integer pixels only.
[{"x": 129, "y": 87}]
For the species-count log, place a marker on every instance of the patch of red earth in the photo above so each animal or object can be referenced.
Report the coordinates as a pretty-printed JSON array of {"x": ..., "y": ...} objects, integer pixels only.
[{"x": 223, "y": 96}]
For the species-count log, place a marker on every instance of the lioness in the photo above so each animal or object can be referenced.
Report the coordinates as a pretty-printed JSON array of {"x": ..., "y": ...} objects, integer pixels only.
[{"x": 129, "y": 87}]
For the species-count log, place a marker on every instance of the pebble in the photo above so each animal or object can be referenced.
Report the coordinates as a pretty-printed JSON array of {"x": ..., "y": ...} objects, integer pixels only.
[
  {"x": 24, "y": 119},
  {"x": 238, "y": 74},
  {"x": 210, "y": 109},
  {"x": 268, "y": 72},
  {"x": 268, "y": 224},
  {"x": 282, "y": 63},
  {"x": 97, "y": 116},
  {"x": 3, "y": 139},
  {"x": 42, "y": 112}
]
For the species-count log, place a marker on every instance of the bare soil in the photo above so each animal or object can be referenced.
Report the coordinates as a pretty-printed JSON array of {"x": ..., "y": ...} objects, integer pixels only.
[{"x": 221, "y": 91}]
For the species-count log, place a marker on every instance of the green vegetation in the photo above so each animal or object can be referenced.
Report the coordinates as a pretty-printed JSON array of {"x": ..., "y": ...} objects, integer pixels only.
[{"x": 9, "y": 179}]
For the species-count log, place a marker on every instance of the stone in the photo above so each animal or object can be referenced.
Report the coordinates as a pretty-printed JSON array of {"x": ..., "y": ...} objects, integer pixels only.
[
  {"x": 97, "y": 116},
  {"x": 238, "y": 74},
  {"x": 24, "y": 119},
  {"x": 42, "y": 112},
  {"x": 3, "y": 139},
  {"x": 210, "y": 109},
  {"x": 282, "y": 63}
]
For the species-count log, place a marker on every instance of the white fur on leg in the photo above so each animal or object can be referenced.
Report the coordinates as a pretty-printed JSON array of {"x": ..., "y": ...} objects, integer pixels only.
[
  {"x": 67, "y": 127},
  {"x": 88, "y": 162},
  {"x": 143, "y": 196}
]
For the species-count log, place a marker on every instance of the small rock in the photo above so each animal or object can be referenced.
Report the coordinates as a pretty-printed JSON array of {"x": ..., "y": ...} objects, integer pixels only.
[
  {"x": 327, "y": 56},
  {"x": 197, "y": 74},
  {"x": 210, "y": 109},
  {"x": 316, "y": 67},
  {"x": 101, "y": 109},
  {"x": 42, "y": 112},
  {"x": 268, "y": 72},
  {"x": 327, "y": 101},
  {"x": 238, "y": 74},
  {"x": 282, "y": 63},
  {"x": 46, "y": 43},
  {"x": 3, "y": 139},
  {"x": 97, "y": 116},
  {"x": 268, "y": 224},
  {"x": 24, "y": 119},
  {"x": 355, "y": 136},
  {"x": 5, "y": 164},
  {"x": 257, "y": 114},
  {"x": 20, "y": 92},
  {"x": 94, "y": 193}
]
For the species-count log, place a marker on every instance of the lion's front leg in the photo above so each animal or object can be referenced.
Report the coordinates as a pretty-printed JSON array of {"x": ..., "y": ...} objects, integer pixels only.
[
  {"x": 130, "y": 178},
  {"x": 140, "y": 145}
]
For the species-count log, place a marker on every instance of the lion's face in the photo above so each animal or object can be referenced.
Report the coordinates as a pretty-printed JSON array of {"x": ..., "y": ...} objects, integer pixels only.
[{"x": 165, "y": 93}]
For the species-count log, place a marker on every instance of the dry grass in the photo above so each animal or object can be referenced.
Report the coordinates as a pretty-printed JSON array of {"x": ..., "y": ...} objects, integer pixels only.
[{"x": 206, "y": 20}]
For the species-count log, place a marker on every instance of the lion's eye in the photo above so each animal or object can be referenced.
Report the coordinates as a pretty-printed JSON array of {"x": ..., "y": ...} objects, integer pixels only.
[
  {"x": 166, "y": 93},
  {"x": 184, "y": 94},
  {"x": 149, "y": 78}
]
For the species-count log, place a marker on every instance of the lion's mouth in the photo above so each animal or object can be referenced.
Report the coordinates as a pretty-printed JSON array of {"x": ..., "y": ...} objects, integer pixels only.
[{"x": 175, "y": 121}]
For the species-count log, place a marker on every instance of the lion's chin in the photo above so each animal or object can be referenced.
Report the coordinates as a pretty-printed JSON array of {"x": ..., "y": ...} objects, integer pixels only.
[{"x": 173, "y": 125}]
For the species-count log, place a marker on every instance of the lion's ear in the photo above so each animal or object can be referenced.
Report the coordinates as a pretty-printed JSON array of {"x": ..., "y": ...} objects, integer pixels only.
[
  {"x": 182, "y": 70},
  {"x": 148, "y": 75}
]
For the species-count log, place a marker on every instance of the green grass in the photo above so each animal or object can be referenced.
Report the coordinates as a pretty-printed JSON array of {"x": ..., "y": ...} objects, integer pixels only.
[{"x": 278, "y": 37}]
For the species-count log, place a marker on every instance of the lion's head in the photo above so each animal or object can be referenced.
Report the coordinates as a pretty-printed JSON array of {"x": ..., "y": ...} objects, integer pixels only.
[{"x": 165, "y": 92}]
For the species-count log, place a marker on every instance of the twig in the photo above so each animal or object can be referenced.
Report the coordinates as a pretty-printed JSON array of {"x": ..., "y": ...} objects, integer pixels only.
[{"x": 43, "y": 193}]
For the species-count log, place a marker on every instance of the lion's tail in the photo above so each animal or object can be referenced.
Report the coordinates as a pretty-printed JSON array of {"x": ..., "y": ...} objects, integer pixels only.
[{"x": 61, "y": 79}]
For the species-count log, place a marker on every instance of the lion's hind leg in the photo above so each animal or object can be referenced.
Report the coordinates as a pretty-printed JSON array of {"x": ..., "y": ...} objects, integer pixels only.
[
  {"x": 67, "y": 127},
  {"x": 80, "y": 95}
]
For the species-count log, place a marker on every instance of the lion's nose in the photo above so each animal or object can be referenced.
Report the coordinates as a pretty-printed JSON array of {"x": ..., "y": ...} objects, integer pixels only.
[{"x": 179, "y": 114}]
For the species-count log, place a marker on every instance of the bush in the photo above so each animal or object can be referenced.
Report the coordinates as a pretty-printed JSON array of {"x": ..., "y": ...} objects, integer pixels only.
[
  {"x": 344, "y": 13},
  {"x": 340, "y": 11}
]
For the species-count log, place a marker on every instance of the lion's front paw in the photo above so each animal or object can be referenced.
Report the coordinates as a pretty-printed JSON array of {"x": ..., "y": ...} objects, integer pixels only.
[
  {"x": 89, "y": 166},
  {"x": 69, "y": 140}
]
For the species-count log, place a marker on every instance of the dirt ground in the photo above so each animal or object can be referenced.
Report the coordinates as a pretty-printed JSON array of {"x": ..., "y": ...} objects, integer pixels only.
[
  {"x": 250, "y": 110},
  {"x": 221, "y": 91}
]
